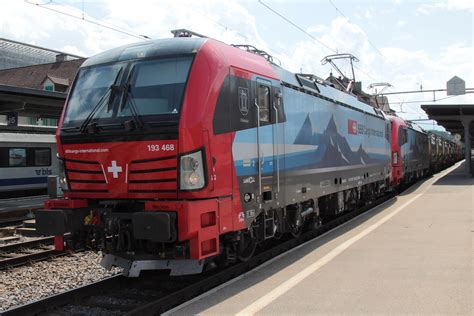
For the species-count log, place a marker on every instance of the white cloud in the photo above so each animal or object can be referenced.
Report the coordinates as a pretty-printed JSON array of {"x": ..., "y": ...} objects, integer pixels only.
[
  {"x": 401, "y": 23},
  {"x": 231, "y": 22},
  {"x": 368, "y": 15},
  {"x": 341, "y": 35},
  {"x": 320, "y": 28},
  {"x": 460, "y": 4},
  {"x": 29, "y": 23},
  {"x": 453, "y": 5}
]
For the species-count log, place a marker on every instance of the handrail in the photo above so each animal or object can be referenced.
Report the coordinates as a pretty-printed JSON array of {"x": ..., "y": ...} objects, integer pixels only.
[
  {"x": 277, "y": 143},
  {"x": 258, "y": 151}
]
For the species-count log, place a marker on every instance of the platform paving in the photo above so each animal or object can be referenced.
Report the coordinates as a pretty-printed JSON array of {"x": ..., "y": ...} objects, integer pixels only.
[{"x": 412, "y": 255}]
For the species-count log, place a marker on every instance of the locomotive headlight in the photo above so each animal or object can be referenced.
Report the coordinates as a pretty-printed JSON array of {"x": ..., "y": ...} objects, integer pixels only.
[
  {"x": 62, "y": 175},
  {"x": 395, "y": 157},
  {"x": 192, "y": 171}
]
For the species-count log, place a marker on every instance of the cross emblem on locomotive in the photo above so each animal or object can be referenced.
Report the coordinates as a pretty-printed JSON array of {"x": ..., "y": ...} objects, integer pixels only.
[{"x": 114, "y": 169}]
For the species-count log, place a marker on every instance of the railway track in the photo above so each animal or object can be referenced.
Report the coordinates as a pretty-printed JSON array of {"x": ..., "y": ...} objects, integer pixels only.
[
  {"x": 157, "y": 293},
  {"x": 16, "y": 254},
  {"x": 15, "y": 210}
]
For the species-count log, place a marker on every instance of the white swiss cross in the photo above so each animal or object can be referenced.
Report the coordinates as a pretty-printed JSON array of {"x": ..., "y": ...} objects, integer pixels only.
[{"x": 114, "y": 169}]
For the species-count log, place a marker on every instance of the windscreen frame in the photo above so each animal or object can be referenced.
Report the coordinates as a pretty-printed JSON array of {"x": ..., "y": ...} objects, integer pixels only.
[{"x": 150, "y": 121}]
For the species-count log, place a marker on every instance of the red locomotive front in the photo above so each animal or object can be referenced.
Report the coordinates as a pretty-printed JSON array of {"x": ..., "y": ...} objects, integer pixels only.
[{"x": 398, "y": 139}]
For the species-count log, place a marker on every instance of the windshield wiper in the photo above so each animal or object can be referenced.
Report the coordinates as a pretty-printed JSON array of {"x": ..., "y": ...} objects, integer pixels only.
[
  {"x": 128, "y": 99},
  {"x": 100, "y": 103},
  {"x": 69, "y": 129}
]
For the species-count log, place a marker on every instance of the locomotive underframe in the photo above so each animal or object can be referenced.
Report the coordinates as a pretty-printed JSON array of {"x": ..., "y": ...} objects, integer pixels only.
[{"x": 138, "y": 240}]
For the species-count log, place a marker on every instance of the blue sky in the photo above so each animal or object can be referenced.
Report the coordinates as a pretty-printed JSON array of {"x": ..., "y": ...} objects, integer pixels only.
[{"x": 407, "y": 43}]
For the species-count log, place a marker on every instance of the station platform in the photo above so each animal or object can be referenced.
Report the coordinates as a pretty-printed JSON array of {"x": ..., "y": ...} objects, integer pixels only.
[{"x": 410, "y": 255}]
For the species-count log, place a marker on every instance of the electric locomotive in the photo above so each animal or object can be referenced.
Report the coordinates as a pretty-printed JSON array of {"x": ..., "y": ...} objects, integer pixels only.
[
  {"x": 410, "y": 152},
  {"x": 180, "y": 152}
]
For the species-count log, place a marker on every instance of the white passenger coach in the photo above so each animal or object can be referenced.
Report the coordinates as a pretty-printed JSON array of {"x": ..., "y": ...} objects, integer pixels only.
[{"x": 26, "y": 161}]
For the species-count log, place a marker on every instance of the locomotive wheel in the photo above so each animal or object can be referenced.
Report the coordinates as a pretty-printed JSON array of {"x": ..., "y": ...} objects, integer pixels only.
[
  {"x": 247, "y": 245},
  {"x": 296, "y": 230},
  {"x": 296, "y": 223}
]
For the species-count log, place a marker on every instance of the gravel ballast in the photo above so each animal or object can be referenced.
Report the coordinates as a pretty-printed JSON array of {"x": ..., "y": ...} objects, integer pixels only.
[{"x": 38, "y": 280}]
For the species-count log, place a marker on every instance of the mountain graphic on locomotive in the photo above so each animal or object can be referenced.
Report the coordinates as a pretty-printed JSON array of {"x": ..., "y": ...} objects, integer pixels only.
[{"x": 181, "y": 152}]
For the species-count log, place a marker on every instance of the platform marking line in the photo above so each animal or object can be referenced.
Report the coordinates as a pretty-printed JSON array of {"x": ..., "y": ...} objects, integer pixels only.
[
  {"x": 268, "y": 262},
  {"x": 293, "y": 281}
]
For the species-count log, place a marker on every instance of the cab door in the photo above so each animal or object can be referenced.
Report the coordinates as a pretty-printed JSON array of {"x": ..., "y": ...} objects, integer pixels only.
[{"x": 266, "y": 140}]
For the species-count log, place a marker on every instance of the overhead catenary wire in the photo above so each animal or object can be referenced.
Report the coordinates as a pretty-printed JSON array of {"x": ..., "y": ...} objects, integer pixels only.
[
  {"x": 298, "y": 27},
  {"x": 225, "y": 27},
  {"x": 82, "y": 18},
  {"x": 420, "y": 101},
  {"x": 368, "y": 39},
  {"x": 333, "y": 50},
  {"x": 114, "y": 27}
]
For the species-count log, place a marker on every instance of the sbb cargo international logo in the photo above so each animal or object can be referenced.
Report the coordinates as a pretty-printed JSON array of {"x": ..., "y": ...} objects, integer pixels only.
[
  {"x": 352, "y": 127},
  {"x": 355, "y": 128}
]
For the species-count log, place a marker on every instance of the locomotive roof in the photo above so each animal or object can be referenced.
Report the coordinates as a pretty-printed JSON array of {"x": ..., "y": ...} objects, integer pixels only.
[
  {"x": 190, "y": 45},
  {"x": 416, "y": 127},
  {"x": 329, "y": 92},
  {"x": 151, "y": 48}
]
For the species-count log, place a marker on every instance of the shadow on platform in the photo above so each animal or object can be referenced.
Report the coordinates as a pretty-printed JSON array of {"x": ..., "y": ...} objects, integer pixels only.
[
  {"x": 286, "y": 260},
  {"x": 458, "y": 176}
]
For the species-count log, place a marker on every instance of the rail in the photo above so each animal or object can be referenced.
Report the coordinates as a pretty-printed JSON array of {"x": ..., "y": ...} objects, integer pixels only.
[{"x": 20, "y": 253}]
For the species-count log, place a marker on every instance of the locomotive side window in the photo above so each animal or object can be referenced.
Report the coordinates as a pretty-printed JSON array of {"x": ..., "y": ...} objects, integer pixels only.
[
  {"x": 42, "y": 157},
  {"x": 263, "y": 101},
  {"x": 403, "y": 136},
  {"x": 17, "y": 157}
]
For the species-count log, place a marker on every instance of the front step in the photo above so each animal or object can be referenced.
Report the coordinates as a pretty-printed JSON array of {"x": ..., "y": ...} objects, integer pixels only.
[
  {"x": 27, "y": 232},
  {"x": 9, "y": 239},
  {"x": 29, "y": 223}
]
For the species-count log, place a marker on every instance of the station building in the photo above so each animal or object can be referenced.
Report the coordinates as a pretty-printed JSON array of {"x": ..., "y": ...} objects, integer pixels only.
[
  {"x": 456, "y": 114},
  {"x": 34, "y": 82}
]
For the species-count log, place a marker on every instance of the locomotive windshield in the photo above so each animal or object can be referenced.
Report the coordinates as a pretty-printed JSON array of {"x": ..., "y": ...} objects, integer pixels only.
[{"x": 122, "y": 91}]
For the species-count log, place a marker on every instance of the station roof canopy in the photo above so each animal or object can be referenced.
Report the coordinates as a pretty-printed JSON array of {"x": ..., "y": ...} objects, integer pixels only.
[
  {"x": 451, "y": 111},
  {"x": 31, "y": 102}
]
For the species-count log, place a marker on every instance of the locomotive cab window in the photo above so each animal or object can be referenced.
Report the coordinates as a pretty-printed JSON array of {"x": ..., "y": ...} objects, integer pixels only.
[
  {"x": 403, "y": 136},
  {"x": 263, "y": 101},
  {"x": 113, "y": 93},
  {"x": 157, "y": 86}
]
